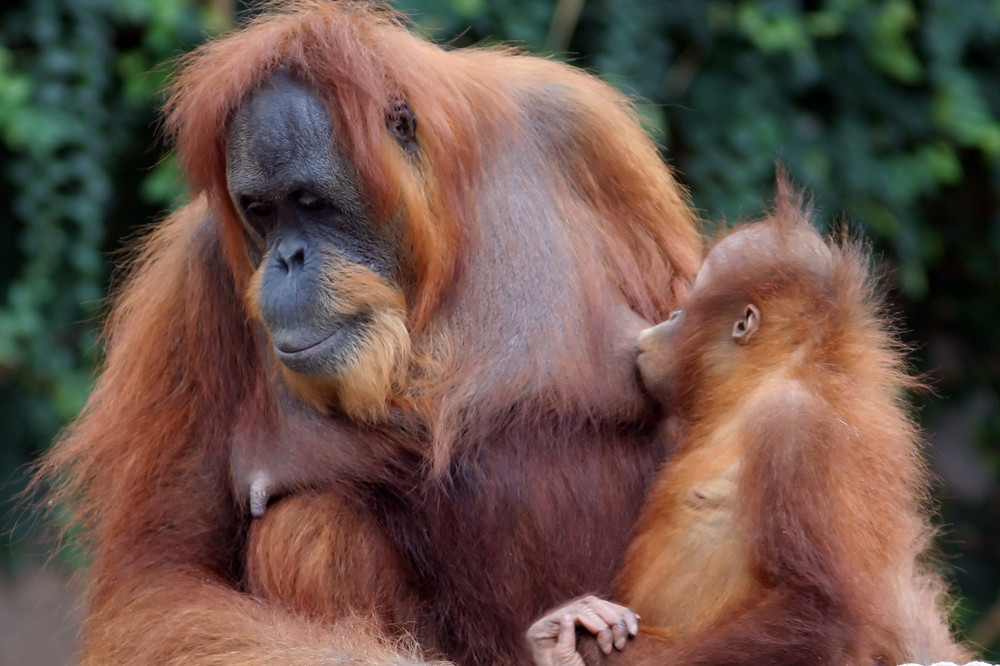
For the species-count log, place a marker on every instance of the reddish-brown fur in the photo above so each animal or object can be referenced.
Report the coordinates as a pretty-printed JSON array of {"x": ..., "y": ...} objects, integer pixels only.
[
  {"x": 540, "y": 229},
  {"x": 790, "y": 525}
]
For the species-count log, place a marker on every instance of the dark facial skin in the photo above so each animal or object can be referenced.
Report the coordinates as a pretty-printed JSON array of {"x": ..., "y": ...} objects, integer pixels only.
[{"x": 306, "y": 222}]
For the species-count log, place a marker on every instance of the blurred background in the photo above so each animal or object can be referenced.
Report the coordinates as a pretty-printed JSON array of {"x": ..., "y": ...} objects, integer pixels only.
[{"x": 887, "y": 111}]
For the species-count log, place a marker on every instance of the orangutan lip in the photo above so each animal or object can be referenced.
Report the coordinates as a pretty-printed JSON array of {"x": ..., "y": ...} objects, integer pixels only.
[{"x": 293, "y": 357}]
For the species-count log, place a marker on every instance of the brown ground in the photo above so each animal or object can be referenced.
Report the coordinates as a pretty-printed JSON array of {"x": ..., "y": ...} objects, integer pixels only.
[{"x": 39, "y": 618}]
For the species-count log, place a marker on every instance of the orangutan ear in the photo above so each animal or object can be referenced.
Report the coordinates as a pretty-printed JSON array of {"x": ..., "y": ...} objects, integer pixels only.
[
  {"x": 402, "y": 124},
  {"x": 747, "y": 325}
]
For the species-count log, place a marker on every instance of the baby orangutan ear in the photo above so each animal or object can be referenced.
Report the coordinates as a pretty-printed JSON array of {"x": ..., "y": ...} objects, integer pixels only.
[{"x": 747, "y": 325}]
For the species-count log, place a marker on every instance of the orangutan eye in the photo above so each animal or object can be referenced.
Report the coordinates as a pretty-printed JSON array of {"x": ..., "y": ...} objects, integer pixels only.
[{"x": 308, "y": 201}]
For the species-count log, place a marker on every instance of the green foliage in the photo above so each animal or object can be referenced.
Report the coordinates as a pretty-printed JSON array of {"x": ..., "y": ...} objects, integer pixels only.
[
  {"x": 77, "y": 90},
  {"x": 887, "y": 111}
]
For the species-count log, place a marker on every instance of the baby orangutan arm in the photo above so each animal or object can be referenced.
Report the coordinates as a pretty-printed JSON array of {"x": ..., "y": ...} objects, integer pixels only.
[{"x": 552, "y": 638}]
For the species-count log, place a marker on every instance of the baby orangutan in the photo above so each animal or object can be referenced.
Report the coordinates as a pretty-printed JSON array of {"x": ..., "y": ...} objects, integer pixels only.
[{"x": 788, "y": 527}]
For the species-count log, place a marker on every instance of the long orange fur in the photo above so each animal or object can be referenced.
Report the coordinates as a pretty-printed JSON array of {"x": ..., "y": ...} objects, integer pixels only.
[{"x": 536, "y": 204}]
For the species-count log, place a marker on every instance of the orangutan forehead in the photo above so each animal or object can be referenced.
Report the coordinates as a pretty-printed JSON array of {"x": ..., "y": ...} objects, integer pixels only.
[{"x": 280, "y": 126}]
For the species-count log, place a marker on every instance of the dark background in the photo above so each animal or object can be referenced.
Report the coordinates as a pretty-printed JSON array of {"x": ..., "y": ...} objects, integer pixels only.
[{"x": 887, "y": 111}]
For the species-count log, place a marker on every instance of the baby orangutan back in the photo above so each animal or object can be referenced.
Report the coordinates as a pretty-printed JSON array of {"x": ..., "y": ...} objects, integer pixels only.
[{"x": 789, "y": 526}]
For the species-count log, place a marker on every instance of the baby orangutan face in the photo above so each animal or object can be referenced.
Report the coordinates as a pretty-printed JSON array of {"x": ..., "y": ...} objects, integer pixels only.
[
  {"x": 656, "y": 361},
  {"x": 707, "y": 326}
]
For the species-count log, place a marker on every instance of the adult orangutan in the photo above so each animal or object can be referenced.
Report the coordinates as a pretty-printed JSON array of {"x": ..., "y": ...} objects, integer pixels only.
[
  {"x": 376, "y": 379},
  {"x": 788, "y": 527}
]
